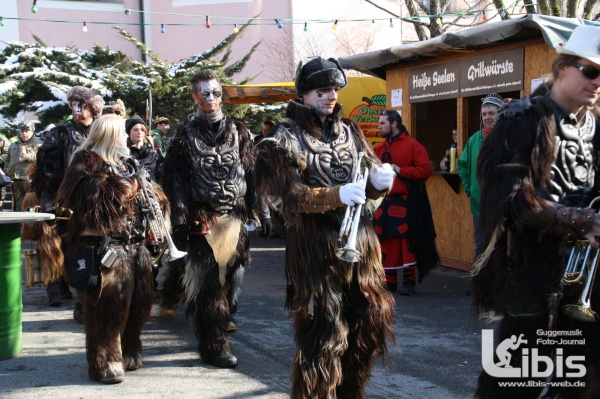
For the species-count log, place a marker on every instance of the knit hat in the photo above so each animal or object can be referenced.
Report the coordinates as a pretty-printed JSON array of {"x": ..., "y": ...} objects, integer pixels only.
[
  {"x": 162, "y": 119},
  {"x": 319, "y": 73},
  {"x": 131, "y": 122},
  {"x": 493, "y": 99},
  {"x": 583, "y": 43},
  {"x": 87, "y": 96}
]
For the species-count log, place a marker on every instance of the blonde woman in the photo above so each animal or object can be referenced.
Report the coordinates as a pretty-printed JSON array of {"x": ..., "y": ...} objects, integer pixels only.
[{"x": 102, "y": 187}]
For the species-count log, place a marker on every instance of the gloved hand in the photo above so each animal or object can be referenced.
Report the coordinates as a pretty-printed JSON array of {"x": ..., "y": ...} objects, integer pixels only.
[
  {"x": 352, "y": 194},
  {"x": 266, "y": 227},
  {"x": 382, "y": 177},
  {"x": 180, "y": 232}
]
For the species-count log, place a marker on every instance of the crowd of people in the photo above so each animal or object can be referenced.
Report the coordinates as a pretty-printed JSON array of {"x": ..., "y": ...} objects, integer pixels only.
[{"x": 125, "y": 197}]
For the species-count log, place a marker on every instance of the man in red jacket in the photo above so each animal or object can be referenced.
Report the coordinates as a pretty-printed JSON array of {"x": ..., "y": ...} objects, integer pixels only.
[{"x": 400, "y": 238}]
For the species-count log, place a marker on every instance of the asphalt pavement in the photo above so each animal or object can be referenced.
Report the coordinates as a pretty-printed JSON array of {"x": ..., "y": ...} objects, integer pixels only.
[{"x": 437, "y": 351}]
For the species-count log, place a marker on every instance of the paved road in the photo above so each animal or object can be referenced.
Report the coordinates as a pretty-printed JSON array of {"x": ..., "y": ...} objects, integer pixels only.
[{"x": 437, "y": 354}]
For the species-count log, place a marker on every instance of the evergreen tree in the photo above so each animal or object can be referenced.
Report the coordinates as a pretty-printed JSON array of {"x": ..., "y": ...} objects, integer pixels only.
[{"x": 36, "y": 78}]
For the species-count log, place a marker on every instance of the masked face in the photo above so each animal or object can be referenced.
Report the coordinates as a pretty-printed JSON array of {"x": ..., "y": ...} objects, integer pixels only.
[
  {"x": 80, "y": 111},
  {"x": 207, "y": 96},
  {"x": 322, "y": 100}
]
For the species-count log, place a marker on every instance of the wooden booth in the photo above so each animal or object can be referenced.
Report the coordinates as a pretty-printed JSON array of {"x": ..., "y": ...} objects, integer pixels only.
[{"x": 438, "y": 84}]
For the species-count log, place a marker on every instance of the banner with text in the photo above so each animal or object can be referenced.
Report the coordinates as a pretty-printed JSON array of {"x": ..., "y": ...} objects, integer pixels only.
[
  {"x": 433, "y": 82},
  {"x": 491, "y": 73}
]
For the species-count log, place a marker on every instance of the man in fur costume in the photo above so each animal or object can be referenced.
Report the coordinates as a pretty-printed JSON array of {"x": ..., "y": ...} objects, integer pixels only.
[
  {"x": 204, "y": 178},
  {"x": 342, "y": 310},
  {"x": 103, "y": 191},
  {"x": 538, "y": 170},
  {"x": 51, "y": 162}
]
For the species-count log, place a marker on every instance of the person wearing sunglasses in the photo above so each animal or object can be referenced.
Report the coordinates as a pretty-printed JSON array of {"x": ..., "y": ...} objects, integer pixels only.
[
  {"x": 539, "y": 175},
  {"x": 322, "y": 168},
  {"x": 204, "y": 178}
]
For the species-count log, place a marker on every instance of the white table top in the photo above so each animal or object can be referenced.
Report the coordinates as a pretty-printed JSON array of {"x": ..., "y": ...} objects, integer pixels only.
[{"x": 27, "y": 217}]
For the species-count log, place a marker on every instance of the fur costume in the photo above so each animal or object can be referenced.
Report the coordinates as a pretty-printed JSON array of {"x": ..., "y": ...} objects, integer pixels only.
[
  {"x": 203, "y": 177},
  {"x": 535, "y": 154},
  {"x": 47, "y": 174},
  {"x": 105, "y": 201},
  {"x": 343, "y": 312},
  {"x": 87, "y": 96}
]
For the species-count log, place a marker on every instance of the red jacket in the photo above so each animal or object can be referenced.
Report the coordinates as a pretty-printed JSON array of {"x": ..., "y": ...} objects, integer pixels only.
[{"x": 409, "y": 155}]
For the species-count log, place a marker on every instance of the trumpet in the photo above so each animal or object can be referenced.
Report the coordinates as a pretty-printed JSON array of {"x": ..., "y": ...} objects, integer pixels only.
[
  {"x": 581, "y": 265},
  {"x": 346, "y": 250},
  {"x": 157, "y": 224}
]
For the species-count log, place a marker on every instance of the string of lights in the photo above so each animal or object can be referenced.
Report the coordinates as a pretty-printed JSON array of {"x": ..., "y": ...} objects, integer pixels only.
[{"x": 209, "y": 21}]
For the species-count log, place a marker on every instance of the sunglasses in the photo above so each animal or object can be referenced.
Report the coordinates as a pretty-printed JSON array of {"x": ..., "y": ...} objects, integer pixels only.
[
  {"x": 206, "y": 94},
  {"x": 587, "y": 71}
]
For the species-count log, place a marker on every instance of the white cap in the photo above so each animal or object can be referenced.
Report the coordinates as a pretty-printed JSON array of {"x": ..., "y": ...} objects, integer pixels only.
[{"x": 583, "y": 43}]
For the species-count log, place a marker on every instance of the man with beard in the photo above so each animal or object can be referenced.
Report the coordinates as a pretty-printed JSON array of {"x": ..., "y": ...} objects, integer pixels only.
[
  {"x": 539, "y": 175},
  {"x": 51, "y": 162},
  {"x": 342, "y": 309},
  {"x": 204, "y": 178}
]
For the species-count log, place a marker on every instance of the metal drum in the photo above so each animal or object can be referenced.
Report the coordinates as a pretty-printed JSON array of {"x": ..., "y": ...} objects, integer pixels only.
[
  {"x": 11, "y": 293},
  {"x": 11, "y": 302}
]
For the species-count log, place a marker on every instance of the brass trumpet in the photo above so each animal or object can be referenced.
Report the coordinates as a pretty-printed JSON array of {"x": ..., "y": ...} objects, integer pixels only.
[
  {"x": 346, "y": 250},
  {"x": 157, "y": 224},
  {"x": 581, "y": 265}
]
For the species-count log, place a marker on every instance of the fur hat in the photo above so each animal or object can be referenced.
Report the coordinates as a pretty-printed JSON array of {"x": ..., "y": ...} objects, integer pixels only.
[
  {"x": 131, "y": 122},
  {"x": 83, "y": 94},
  {"x": 584, "y": 42},
  {"x": 25, "y": 126},
  {"x": 319, "y": 73},
  {"x": 114, "y": 107},
  {"x": 493, "y": 99}
]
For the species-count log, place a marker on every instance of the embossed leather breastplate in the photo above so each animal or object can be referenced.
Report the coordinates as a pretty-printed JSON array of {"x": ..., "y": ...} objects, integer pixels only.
[
  {"x": 218, "y": 178},
  {"x": 328, "y": 164},
  {"x": 573, "y": 171}
]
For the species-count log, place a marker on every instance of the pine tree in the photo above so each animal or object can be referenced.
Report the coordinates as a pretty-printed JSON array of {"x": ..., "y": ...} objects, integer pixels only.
[{"x": 36, "y": 78}]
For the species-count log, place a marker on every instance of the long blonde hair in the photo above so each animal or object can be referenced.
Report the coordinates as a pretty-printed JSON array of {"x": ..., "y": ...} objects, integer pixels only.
[{"x": 103, "y": 138}]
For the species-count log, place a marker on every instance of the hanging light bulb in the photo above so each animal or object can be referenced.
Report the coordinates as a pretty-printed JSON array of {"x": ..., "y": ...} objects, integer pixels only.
[
  {"x": 34, "y": 7},
  {"x": 235, "y": 28},
  {"x": 305, "y": 27},
  {"x": 84, "y": 27},
  {"x": 127, "y": 11},
  {"x": 334, "y": 27},
  {"x": 522, "y": 9},
  {"x": 438, "y": 20},
  {"x": 208, "y": 24},
  {"x": 503, "y": 14},
  {"x": 484, "y": 15},
  {"x": 279, "y": 24},
  {"x": 1, "y": 21},
  {"x": 162, "y": 28},
  {"x": 391, "y": 23}
]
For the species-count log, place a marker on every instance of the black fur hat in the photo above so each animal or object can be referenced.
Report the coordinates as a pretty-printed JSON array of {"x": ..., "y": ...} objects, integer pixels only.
[{"x": 319, "y": 73}]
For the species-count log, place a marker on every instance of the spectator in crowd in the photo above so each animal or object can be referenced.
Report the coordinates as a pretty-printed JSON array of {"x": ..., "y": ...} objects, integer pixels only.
[
  {"x": 403, "y": 221},
  {"x": 158, "y": 137},
  {"x": 21, "y": 157},
  {"x": 467, "y": 164}
]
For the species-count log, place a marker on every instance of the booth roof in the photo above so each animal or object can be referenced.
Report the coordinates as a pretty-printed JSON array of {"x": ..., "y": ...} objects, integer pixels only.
[{"x": 554, "y": 30}]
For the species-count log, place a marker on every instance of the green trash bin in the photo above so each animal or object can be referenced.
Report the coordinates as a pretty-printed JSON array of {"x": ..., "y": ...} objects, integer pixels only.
[{"x": 11, "y": 294}]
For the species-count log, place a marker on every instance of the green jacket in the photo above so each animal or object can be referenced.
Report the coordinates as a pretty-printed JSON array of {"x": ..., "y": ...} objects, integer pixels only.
[
  {"x": 17, "y": 169},
  {"x": 467, "y": 169}
]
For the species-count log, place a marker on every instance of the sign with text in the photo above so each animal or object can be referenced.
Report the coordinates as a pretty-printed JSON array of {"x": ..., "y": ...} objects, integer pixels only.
[
  {"x": 491, "y": 73},
  {"x": 433, "y": 82}
]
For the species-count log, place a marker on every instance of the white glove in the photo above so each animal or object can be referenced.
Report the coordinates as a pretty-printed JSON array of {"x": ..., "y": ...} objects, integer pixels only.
[
  {"x": 352, "y": 194},
  {"x": 382, "y": 177}
]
